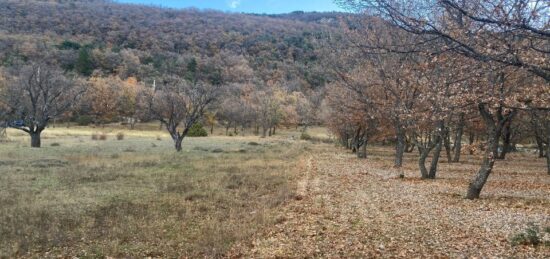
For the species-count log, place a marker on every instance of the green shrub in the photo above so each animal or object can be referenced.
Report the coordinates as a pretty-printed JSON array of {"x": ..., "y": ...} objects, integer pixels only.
[
  {"x": 305, "y": 136},
  {"x": 67, "y": 44},
  {"x": 531, "y": 237},
  {"x": 197, "y": 131},
  {"x": 84, "y": 120}
]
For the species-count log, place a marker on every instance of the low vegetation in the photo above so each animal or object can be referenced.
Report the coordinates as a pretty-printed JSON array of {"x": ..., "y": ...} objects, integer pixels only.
[{"x": 136, "y": 197}]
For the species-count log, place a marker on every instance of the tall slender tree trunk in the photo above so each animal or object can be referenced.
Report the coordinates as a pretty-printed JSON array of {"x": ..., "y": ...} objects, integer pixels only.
[
  {"x": 132, "y": 123},
  {"x": 540, "y": 146},
  {"x": 363, "y": 153},
  {"x": 178, "y": 144},
  {"x": 447, "y": 141},
  {"x": 35, "y": 139},
  {"x": 458, "y": 139},
  {"x": 471, "y": 141},
  {"x": 506, "y": 138},
  {"x": 435, "y": 158},
  {"x": 494, "y": 130},
  {"x": 399, "y": 147},
  {"x": 536, "y": 131},
  {"x": 422, "y": 162},
  {"x": 475, "y": 187}
]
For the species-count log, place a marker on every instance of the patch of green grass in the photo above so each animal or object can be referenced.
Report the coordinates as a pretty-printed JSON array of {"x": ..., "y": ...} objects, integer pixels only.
[{"x": 532, "y": 236}]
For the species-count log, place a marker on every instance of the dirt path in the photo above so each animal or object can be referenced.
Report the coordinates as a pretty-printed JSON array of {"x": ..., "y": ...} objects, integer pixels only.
[{"x": 349, "y": 208}]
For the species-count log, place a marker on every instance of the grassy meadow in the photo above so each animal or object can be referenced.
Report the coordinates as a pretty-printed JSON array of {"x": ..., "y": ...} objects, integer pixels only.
[
  {"x": 252, "y": 197},
  {"x": 137, "y": 197}
]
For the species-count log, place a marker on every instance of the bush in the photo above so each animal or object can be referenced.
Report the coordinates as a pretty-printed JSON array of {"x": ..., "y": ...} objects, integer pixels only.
[
  {"x": 103, "y": 136},
  {"x": 531, "y": 237},
  {"x": 305, "y": 136},
  {"x": 84, "y": 120},
  {"x": 120, "y": 136},
  {"x": 197, "y": 131},
  {"x": 95, "y": 136},
  {"x": 55, "y": 144}
]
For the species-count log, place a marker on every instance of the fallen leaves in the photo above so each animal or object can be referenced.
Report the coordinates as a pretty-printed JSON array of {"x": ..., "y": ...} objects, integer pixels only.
[{"x": 356, "y": 208}]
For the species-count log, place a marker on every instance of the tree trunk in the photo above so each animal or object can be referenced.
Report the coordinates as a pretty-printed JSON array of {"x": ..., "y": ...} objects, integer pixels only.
[
  {"x": 540, "y": 146},
  {"x": 178, "y": 141},
  {"x": 447, "y": 141},
  {"x": 506, "y": 138},
  {"x": 273, "y": 130},
  {"x": 435, "y": 158},
  {"x": 212, "y": 129},
  {"x": 536, "y": 131},
  {"x": 471, "y": 141},
  {"x": 132, "y": 123},
  {"x": 422, "y": 162},
  {"x": 35, "y": 139},
  {"x": 494, "y": 130},
  {"x": 264, "y": 132},
  {"x": 399, "y": 147},
  {"x": 363, "y": 153},
  {"x": 458, "y": 139}
]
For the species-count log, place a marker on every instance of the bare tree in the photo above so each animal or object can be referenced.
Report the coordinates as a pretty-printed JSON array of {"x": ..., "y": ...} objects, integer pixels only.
[
  {"x": 36, "y": 94},
  {"x": 509, "y": 32},
  {"x": 178, "y": 104}
]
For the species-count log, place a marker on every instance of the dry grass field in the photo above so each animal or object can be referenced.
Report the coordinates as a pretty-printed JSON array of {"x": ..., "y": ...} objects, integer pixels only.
[
  {"x": 137, "y": 197},
  {"x": 250, "y": 197}
]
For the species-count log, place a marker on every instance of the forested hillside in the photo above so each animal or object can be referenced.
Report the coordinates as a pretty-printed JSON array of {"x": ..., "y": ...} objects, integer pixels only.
[
  {"x": 139, "y": 41},
  {"x": 267, "y": 68}
]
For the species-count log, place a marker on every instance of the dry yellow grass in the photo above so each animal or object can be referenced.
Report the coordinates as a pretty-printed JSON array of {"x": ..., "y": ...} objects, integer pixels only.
[{"x": 137, "y": 197}]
